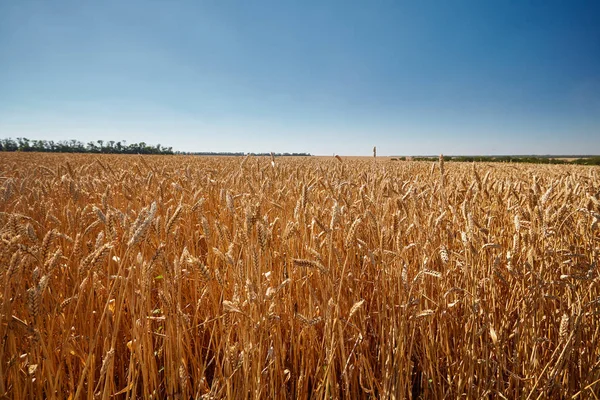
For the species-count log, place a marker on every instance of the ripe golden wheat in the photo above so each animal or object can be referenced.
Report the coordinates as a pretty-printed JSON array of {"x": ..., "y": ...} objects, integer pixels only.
[{"x": 190, "y": 277}]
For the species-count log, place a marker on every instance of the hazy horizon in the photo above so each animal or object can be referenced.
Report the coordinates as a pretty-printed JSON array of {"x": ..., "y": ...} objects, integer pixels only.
[{"x": 465, "y": 78}]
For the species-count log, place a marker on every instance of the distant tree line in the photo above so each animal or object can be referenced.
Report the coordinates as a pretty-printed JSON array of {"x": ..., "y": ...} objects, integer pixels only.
[
  {"x": 239, "y": 154},
  {"x": 587, "y": 161},
  {"x": 75, "y": 146},
  {"x": 583, "y": 160}
]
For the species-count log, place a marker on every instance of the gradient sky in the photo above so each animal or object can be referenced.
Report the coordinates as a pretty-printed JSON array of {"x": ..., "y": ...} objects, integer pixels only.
[{"x": 414, "y": 77}]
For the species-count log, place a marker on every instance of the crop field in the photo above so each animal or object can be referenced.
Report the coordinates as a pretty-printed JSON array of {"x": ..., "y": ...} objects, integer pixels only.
[{"x": 204, "y": 277}]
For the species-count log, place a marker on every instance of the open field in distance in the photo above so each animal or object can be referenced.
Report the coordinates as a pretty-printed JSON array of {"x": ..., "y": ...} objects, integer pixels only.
[{"x": 215, "y": 277}]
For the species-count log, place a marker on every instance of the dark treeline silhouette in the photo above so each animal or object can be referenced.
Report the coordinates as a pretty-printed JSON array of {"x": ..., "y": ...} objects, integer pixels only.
[
  {"x": 583, "y": 160},
  {"x": 238, "y": 154},
  {"x": 75, "y": 146}
]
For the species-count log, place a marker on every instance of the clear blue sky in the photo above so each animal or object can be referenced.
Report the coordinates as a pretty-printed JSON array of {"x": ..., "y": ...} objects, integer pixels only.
[{"x": 418, "y": 77}]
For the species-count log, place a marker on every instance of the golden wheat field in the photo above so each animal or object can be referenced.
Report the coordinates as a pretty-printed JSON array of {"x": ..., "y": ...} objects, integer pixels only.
[{"x": 189, "y": 277}]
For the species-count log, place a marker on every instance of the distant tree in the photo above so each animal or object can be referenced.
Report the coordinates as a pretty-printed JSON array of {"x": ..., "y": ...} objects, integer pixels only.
[
  {"x": 23, "y": 144},
  {"x": 10, "y": 145}
]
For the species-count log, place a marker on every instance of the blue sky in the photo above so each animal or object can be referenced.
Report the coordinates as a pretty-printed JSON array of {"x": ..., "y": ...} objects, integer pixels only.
[{"x": 414, "y": 77}]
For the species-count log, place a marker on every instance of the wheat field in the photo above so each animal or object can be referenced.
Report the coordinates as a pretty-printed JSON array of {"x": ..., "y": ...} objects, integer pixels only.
[{"x": 195, "y": 277}]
